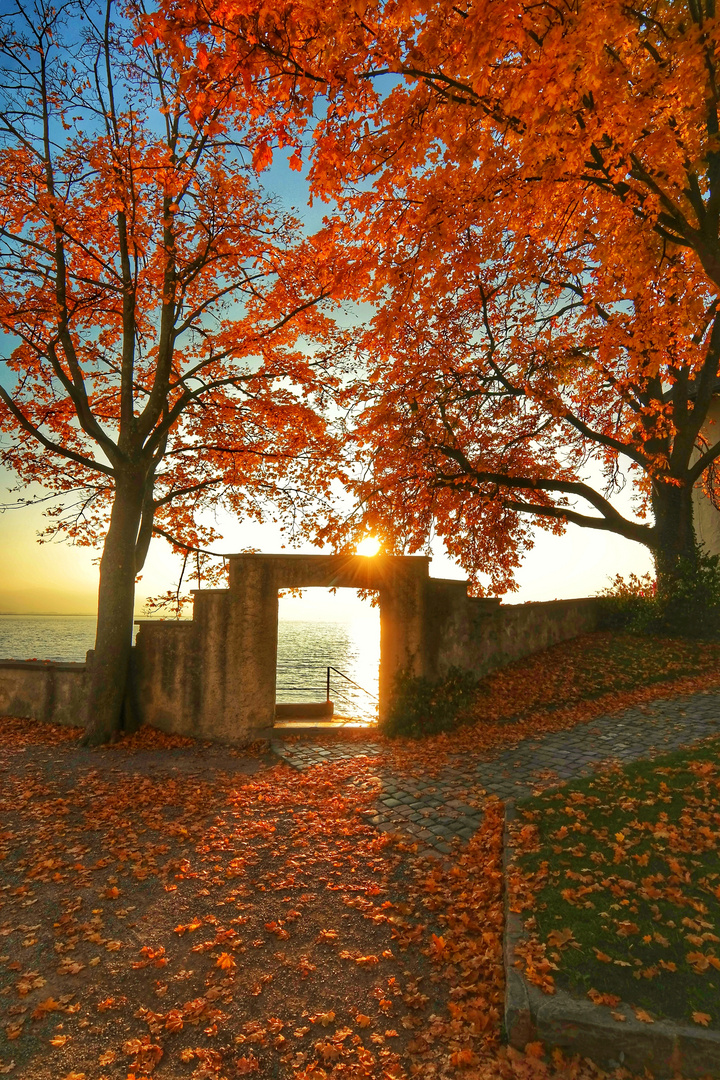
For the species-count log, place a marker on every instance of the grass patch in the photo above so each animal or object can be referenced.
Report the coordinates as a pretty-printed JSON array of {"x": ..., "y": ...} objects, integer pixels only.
[{"x": 621, "y": 875}]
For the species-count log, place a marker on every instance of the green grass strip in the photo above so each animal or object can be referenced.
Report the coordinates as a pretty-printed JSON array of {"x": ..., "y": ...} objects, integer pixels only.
[{"x": 627, "y": 870}]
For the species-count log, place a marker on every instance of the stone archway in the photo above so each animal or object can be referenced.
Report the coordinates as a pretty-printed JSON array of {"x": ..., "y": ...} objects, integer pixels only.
[
  {"x": 214, "y": 677},
  {"x": 252, "y": 629}
]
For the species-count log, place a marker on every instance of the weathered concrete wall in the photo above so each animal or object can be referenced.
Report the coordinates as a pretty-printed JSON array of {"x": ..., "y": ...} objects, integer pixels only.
[
  {"x": 166, "y": 683},
  {"x": 528, "y": 628},
  {"x": 456, "y": 628},
  {"x": 403, "y": 616},
  {"x": 480, "y": 635},
  {"x": 252, "y": 643},
  {"x": 203, "y": 678},
  {"x": 44, "y": 691},
  {"x": 215, "y": 677}
]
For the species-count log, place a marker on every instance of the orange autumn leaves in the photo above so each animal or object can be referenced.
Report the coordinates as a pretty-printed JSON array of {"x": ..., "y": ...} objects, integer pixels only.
[
  {"x": 162, "y": 831},
  {"x": 569, "y": 683},
  {"x": 263, "y": 909},
  {"x": 422, "y": 970},
  {"x": 544, "y": 252},
  {"x": 400, "y": 980}
]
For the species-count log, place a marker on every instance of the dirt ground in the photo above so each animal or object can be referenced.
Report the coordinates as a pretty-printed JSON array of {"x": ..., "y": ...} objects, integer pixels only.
[{"x": 197, "y": 912}]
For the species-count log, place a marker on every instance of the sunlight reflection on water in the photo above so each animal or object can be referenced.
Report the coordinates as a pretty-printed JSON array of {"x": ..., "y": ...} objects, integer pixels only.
[{"x": 306, "y": 649}]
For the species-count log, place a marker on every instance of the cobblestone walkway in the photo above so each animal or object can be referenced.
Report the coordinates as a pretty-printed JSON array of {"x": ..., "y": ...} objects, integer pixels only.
[{"x": 438, "y": 810}]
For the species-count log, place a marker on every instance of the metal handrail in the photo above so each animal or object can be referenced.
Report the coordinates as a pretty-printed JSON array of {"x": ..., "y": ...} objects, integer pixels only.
[
  {"x": 347, "y": 679},
  {"x": 284, "y": 688},
  {"x": 337, "y": 692}
]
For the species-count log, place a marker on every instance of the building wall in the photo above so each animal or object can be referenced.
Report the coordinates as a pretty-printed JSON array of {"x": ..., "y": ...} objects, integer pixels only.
[
  {"x": 255, "y": 581},
  {"x": 706, "y": 517}
]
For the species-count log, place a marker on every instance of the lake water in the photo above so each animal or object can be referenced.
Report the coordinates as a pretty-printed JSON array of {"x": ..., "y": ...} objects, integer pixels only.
[{"x": 305, "y": 650}]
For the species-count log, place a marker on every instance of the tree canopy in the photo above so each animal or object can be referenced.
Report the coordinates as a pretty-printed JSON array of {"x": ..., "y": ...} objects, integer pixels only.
[
  {"x": 527, "y": 194},
  {"x": 539, "y": 188}
]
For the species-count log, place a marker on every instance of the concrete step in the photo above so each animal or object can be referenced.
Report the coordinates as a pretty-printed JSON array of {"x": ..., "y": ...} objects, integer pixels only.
[
  {"x": 301, "y": 726},
  {"x": 304, "y": 710}
]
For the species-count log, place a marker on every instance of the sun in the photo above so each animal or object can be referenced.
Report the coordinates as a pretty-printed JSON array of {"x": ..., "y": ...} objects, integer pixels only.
[{"x": 369, "y": 546}]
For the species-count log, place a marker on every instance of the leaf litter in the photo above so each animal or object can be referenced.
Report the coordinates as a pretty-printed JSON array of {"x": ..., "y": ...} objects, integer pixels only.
[
  {"x": 163, "y": 916},
  {"x": 629, "y": 858}
]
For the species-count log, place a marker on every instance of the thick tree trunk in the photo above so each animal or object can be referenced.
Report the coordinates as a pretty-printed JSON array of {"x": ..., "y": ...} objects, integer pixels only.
[
  {"x": 673, "y": 511},
  {"x": 116, "y": 599}
]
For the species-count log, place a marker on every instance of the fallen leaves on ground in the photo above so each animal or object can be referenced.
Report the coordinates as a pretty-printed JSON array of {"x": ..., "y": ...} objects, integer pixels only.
[
  {"x": 595, "y": 674},
  {"x": 629, "y": 857},
  {"x": 594, "y": 666},
  {"x": 388, "y": 966},
  {"x": 160, "y": 916}
]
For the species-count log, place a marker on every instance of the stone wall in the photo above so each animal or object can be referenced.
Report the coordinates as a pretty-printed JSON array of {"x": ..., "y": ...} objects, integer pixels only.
[
  {"x": 214, "y": 677},
  {"x": 166, "y": 683},
  {"x": 44, "y": 691},
  {"x": 199, "y": 678},
  {"x": 479, "y": 635}
]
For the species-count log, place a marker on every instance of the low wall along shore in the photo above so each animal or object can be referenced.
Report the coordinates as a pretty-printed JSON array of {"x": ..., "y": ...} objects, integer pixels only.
[
  {"x": 43, "y": 690},
  {"x": 214, "y": 677}
]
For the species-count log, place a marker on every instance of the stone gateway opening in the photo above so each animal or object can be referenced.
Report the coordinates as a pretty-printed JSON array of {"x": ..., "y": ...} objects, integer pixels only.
[
  {"x": 215, "y": 677},
  {"x": 327, "y": 659}
]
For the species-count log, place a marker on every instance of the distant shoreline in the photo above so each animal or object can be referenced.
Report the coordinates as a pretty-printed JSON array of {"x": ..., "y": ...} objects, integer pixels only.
[
  {"x": 50, "y": 614},
  {"x": 303, "y": 617},
  {"x": 69, "y": 615}
]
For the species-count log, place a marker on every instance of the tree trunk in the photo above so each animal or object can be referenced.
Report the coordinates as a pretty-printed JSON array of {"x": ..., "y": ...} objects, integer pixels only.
[
  {"x": 116, "y": 600},
  {"x": 675, "y": 536}
]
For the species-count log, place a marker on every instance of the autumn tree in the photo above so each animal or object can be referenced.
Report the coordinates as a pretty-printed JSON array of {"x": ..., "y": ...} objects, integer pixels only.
[
  {"x": 540, "y": 187},
  {"x": 165, "y": 344}
]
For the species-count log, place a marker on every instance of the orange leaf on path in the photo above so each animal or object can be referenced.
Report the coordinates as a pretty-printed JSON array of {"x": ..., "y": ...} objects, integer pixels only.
[{"x": 603, "y": 999}]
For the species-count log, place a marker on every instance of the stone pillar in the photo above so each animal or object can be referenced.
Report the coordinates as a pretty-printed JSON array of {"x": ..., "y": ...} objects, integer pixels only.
[
  {"x": 402, "y": 624},
  {"x": 236, "y": 638},
  {"x": 251, "y": 647},
  {"x": 211, "y": 617}
]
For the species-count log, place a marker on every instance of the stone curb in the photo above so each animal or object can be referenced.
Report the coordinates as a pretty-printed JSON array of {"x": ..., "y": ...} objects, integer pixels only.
[{"x": 577, "y": 1026}]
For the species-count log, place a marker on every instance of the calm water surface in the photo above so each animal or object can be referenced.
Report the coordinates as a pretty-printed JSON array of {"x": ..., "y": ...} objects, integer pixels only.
[
  {"x": 46, "y": 637},
  {"x": 305, "y": 650}
]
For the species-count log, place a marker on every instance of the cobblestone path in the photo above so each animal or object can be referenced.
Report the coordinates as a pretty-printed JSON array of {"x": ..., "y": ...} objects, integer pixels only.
[{"x": 436, "y": 811}]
